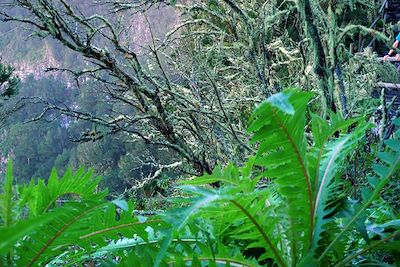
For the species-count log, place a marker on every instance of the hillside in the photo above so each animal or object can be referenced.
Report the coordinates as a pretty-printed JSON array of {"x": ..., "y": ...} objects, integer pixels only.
[{"x": 31, "y": 55}]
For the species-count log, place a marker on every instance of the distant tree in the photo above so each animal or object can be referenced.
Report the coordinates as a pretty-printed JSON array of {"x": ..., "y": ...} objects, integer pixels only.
[
  {"x": 8, "y": 86},
  {"x": 36, "y": 145},
  {"x": 8, "y": 82}
]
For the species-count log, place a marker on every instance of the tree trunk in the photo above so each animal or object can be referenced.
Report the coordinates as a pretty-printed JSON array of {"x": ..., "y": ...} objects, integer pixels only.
[{"x": 321, "y": 70}]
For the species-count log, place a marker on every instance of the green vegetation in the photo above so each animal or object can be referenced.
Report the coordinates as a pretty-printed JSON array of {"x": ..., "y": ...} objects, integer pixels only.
[
  {"x": 8, "y": 86},
  {"x": 299, "y": 216},
  {"x": 8, "y": 83},
  {"x": 196, "y": 154}
]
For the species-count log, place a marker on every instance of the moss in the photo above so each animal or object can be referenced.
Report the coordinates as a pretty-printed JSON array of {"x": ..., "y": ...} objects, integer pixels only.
[{"x": 387, "y": 72}]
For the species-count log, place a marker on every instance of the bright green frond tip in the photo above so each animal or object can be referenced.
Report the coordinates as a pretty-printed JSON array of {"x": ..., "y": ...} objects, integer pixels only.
[
  {"x": 281, "y": 101},
  {"x": 80, "y": 185}
]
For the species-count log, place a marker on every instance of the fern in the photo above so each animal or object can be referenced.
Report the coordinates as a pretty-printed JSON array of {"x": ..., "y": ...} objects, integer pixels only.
[
  {"x": 71, "y": 186},
  {"x": 41, "y": 246},
  {"x": 12, "y": 234},
  {"x": 329, "y": 158},
  {"x": 388, "y": 164},
  {"x": 288, "y": 218},
  {"x": 282, "y": 153},
  {"x": 84, "y": 224},
  {"x": 238, "y": 212},
  {"x": 47, "y": 224},
  {"x": 72, "y": 232},
  {"x": 283, "y": 207}
]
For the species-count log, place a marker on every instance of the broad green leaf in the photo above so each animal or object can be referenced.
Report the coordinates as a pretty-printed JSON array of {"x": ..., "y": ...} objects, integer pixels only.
[
  {"x": 283, "y": 153},
  {"x": 12, "y": 234}
]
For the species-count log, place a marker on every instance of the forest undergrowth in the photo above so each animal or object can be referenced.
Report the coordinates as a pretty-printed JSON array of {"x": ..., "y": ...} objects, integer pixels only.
[
  {"x": 250, "y": 133},
  {"x": 288, "y": 205}
]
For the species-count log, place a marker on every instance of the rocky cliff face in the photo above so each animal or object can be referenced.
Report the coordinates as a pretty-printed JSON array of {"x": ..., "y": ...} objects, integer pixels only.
[{"x": 32, "y": 55}]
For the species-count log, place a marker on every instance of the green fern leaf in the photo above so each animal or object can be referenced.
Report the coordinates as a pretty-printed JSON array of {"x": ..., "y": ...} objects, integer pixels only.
[
  {"x": 331, "y": 160},
  {"x": 12, "y": 234},
  {"x": 385, "y": 170},
  {"x": 40, "y": 247},
  {"x": 282, "y": 152},
  {"x": 72, "y": 186}
]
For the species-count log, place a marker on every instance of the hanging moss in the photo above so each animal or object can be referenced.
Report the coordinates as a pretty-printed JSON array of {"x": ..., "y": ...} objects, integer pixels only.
[{"x": 387, "y": 72}]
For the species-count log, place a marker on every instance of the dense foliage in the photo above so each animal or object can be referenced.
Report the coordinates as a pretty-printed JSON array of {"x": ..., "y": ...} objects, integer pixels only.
[
  {"x": 36, "y": 145},
  {"x": 197, "y": 156},
  {"x": 299, "y": 216}
]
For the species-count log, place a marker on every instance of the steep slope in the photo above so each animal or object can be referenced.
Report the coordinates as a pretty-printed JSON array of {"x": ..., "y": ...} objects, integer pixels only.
[{"x": 30, "y": 54}]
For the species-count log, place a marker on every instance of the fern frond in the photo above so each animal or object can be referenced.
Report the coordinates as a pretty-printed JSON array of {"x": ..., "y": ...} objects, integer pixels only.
[
  {"x": 12, "y": 234},
  {"x": 322, "y": 132},
  {"x": 330, "y": 163},
  {"x": 71, "y": 187},
  {"x": 238, "y": 212},
  {"x": 279, "y": 126},
  {"x": 41, "y": 246},
  {"x": 388, "y": 165},
  {"x": 99, "y": 229}
]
